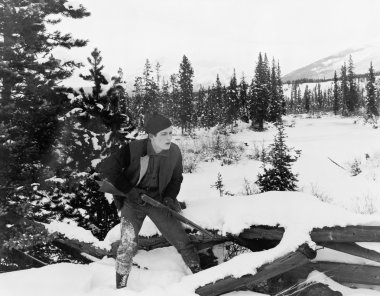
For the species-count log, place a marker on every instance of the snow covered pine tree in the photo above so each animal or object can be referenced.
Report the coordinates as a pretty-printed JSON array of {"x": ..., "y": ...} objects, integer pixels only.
[{"x": 277, "y": 174}]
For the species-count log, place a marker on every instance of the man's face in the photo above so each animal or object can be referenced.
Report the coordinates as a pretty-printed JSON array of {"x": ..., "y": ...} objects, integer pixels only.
[{"x": 162, "y": 140}]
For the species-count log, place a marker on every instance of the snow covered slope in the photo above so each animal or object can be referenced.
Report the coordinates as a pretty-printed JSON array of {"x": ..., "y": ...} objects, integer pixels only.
[{"x": 324, "y": 68}]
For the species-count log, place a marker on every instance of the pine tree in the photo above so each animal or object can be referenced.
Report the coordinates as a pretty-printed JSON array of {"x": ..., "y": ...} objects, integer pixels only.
[
  {"x": 336, "y": 104},
  {"x": 83, "y": 145},
  {"x": 299, "y": 100},
  {"x": 344, "y": 90},
  {"x": 280, "y": 90},
  {"x": 330, "y": 99},
  {"x": 218, "y": 97},
  {"x": 136, "y": 106},
  {"x": 175, "y": 101},
  {"x": 31, "y": 105},
  {"x": 232, "y": 102},
  {"x": 150, "y": 102},
  {"x": 353, "y": 97},
  {"x": 211, "y": 107},
  {"x": 276, "y": 100},
  {"x": 166, "y": 99},
  {"x": 200, "y": 108},
  {"x": 117, "y": 115},
  {"x": 307, "y": 99},
  {"x": 27, "y": 65},
  {"x": 277, "y": 175},
  {"x": 319, "y": 99},
  {"x": 243, "y": 98},
  {"x": 218, "y": 185},
  {"x": 371, "y": 98},
  {"x": 146, "y": 97},
  {"x": 260, "y": 94},
  {"x": 186, "y": 74},
  {"x": 96, "y": 76},
  {"x": 160, "y": 103},
  {"x": 293, "y": 106}
]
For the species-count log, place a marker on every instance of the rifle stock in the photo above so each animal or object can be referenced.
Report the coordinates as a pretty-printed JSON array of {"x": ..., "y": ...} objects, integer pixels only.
[{"x": 108, "y": 187}]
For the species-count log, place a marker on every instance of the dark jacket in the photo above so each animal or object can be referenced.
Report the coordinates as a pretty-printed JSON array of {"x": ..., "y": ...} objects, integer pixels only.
[{"x": 122, "y": 168}]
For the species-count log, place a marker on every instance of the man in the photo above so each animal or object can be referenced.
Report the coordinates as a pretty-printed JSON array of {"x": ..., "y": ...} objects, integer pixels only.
[{"x": 152, "y": 166}]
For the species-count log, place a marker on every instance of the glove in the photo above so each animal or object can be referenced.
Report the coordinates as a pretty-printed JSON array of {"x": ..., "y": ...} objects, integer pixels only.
[
  {"x": 172, "y": 204},
  {"x": 135, "y": 195}
]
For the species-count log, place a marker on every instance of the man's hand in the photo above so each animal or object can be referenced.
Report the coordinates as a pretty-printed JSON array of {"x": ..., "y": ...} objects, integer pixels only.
[
  {"x": 135, "y": 195},
  {"x": 172, "y": 204}
]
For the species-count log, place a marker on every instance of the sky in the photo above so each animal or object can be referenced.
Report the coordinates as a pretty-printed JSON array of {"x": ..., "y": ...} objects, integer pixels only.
[{"x": 221, "y": 35}]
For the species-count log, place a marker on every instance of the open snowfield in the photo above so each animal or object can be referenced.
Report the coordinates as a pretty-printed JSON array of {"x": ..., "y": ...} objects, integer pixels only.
[{"x": 329, "y": 196}]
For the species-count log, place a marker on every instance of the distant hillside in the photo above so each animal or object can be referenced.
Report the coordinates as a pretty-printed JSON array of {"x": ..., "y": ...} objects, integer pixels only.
[{"x": 325, "y": 67}]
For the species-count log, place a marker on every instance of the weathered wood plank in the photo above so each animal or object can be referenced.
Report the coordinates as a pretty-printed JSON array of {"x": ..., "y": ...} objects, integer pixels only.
[
  {"x": 327, "y": 234},
  {"x": 347, "y": 234},
  {"x": 267, "y": 271},
  {"x": 263, "y": 232},
  {"x": 354, "y": 249},
  {"x": 342, "y": 272},
  {"x": 80, "y": 250}
]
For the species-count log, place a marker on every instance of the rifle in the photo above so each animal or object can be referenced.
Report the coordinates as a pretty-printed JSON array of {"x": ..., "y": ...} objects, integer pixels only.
[
  {"x": 179, "y": 217},
  {"x": 107, "y": 187}
]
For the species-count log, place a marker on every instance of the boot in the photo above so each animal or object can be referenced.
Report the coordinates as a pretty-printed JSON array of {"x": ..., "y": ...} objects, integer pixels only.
[{"x": 121, "y": 280}]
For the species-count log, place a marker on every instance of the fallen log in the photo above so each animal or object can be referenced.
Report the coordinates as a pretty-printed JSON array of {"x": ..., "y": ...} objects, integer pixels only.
[
  {"x": 354, "y": 249},
  {"x": 343, "y": 273},
  {"x": 200, "y": 242},
  {"x": 23, "y": 259},
  {"x": 265, "y": 272},
  {"x": 250, "y": 237},
  {"x": 351, "y": 233},
  {"x": 85, "y": 252}
]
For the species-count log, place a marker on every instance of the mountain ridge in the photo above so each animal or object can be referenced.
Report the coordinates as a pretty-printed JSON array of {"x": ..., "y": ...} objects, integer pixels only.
[{"x": 324, "y": 68}]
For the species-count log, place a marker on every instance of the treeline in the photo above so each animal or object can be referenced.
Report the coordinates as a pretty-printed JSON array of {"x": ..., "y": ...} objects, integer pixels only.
[
  {"x": 344, "y": 95},
  {"x": 258, "y": 100}
]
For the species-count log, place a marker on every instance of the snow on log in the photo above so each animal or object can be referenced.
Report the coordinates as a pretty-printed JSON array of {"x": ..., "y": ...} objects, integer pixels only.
[
  {"x": 265, "y": 272},
  {"x": 353, "y": 233}
]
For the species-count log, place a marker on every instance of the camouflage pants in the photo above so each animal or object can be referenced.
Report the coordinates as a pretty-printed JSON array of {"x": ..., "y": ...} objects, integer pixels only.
[{"x": 132, "y": 218}]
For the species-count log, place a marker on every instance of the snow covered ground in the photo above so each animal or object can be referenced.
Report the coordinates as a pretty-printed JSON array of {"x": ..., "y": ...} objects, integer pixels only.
[{"x": 330, "y": 196}]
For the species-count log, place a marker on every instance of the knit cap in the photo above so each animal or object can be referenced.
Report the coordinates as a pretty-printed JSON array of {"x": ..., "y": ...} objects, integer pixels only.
[{"x": 157, "y": 123}]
